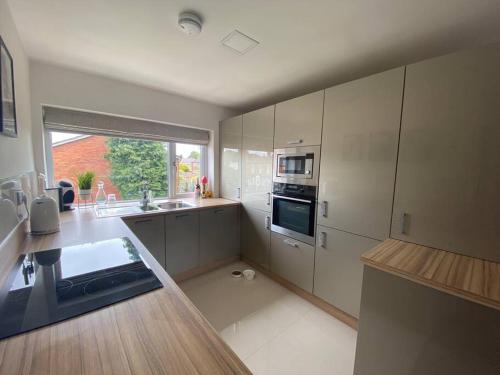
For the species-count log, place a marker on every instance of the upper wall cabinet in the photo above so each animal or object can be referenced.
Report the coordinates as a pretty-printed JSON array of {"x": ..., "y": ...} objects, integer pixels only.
[
  {"x": 448, "y": 180},
  {"x": 230, "y": 154},
  {"x": 299, "y": 121},
  {"x": 257, "y": 166},
  {"x": 359, "y": 153}
]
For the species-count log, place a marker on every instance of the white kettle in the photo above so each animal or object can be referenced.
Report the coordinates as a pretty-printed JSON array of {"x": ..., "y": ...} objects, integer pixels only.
[{"x": 44, "y": 215}]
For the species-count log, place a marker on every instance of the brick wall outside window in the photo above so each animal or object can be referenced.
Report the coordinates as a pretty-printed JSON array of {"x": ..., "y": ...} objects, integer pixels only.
[{"x": 80, "y": 155}]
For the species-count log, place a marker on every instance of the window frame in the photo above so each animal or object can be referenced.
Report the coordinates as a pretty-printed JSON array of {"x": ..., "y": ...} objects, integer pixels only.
[{"x": 171, "y": 171}]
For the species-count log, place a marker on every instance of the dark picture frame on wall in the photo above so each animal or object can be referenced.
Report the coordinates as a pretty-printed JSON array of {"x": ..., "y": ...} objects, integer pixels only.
[{"x": 8, "y": 120}]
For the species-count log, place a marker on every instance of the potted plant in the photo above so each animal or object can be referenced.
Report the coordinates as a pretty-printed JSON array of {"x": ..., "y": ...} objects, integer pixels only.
[{"x": 85, "y": 181}]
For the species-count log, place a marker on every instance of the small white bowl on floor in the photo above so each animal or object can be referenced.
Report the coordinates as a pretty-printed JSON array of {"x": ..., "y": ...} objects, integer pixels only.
[{"x": 249, "y": 274}]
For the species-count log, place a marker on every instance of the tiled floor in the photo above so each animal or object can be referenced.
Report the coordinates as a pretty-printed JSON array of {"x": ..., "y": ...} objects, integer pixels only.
[{"x": 271, "y": 329}]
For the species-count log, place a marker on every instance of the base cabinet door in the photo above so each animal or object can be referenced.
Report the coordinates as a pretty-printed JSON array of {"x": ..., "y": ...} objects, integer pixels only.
[
  {"x": 256, "y": 235},
  {"x": 292, "y": 260},
  {"x": 182, "y": 242},
  {"x": 219, "y": 234},
  {"x": 151, "y": 232},
  {"x": 338, "y": 274}
]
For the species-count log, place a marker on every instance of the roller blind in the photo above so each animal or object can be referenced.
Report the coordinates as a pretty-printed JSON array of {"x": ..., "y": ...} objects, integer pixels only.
[{"x": 62, "y": 119}]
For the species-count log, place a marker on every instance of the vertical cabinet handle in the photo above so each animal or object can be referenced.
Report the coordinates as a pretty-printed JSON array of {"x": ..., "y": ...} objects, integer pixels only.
[
  {"x": 238, "y": 192},
  {"x": 322, "y": 239},
  {"x": 324, "y": 208},
  {"x": 268, "y": 222},
  {"x": 291, "y": 243},
  {"x": 268, "y": 199},
  {"x": 295, "y": 141},
  {"x": 404, "y": 223}
]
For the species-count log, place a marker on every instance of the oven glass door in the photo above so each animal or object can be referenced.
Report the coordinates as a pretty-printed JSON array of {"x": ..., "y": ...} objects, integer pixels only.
[
  {"x": 294, "y": 214},
  {"x": 291, "y": 165}
]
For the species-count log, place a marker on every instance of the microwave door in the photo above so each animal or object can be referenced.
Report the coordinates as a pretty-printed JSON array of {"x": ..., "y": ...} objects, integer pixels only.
[{"x": 292, "y": 165}]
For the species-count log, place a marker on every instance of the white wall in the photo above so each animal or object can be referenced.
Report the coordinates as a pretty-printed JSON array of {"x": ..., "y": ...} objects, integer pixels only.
[
  {"x": 58, "y": 86},
  {"x": 16, "y": 154}
]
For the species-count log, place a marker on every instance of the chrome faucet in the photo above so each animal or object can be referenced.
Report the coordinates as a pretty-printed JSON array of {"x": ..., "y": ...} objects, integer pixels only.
[{"x": 145, "y": 195}]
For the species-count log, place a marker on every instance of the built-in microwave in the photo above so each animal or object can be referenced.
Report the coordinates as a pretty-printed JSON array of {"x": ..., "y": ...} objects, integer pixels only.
[{"x": 298, "y": 165}]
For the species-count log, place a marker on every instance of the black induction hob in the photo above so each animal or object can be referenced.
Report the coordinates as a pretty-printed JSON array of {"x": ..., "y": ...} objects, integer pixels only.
[{"x": 49, "y": 286}]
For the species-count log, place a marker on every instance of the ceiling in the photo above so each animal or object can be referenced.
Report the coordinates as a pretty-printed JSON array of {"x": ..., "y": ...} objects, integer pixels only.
[{"x": 305, "y": 45}]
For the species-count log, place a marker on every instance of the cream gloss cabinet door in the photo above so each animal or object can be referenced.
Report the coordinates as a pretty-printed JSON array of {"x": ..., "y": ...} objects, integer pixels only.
[
  {"x": 299, "y": 121},
  {"x": 257, "y": 158},
  {"x": 448, "y": 182},
  {"x": 338, "y": 273},
  {"x": 230, "y": 154},
  {"x": 292, "y": 260},
  {"x": 256, "y": 235},
  {"x": 359, "y": 154}
]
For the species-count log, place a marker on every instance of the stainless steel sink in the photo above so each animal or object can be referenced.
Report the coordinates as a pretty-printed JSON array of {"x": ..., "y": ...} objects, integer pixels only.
[
  {"x": 174, "y": 205},
  {"x": 149, "y": 208}
]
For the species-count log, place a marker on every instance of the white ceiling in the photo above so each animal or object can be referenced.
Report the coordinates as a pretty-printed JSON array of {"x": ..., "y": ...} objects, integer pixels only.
[{"x": 304, "y": 45}]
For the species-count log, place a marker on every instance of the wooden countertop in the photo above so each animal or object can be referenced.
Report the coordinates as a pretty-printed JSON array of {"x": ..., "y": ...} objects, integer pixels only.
[
  {"x": 470, "y": 278},
  {"x": 160, "y": 332}
]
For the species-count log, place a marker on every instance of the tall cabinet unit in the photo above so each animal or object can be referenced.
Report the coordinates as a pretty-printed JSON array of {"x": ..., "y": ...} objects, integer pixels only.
[
  {"x": 448, "y": 181},
  {"x": 358, "y": 166},
  {"x": 359, "y": 153},
  {"x": 230, "y": 155},
  {"x": 299, "y": 121},
  {"x": 257, "y": 174}
]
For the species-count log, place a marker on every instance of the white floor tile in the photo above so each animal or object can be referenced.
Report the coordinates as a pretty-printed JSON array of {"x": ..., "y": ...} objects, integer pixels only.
[{"x": 272, "y": 330}]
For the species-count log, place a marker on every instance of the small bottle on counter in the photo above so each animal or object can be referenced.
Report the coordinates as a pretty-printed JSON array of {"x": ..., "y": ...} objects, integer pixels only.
[{"x": 197, "y": 189}]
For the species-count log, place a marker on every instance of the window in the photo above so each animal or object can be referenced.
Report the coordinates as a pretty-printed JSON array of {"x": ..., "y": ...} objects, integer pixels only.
[
  {"x": 123, "y": 164},
  {"x": 187, "y": 159}
]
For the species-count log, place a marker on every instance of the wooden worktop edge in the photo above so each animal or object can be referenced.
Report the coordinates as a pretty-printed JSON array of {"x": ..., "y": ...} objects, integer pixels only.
[{"x": 442, "y": 270}]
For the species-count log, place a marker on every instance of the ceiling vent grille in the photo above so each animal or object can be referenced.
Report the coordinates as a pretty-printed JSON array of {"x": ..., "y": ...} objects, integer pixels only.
[{"x": 239, "y": 42}]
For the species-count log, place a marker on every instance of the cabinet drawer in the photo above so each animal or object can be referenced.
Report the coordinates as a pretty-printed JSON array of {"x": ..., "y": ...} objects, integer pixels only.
[
  {"x": 292, "y": 260},
  {"x": 338, "y": 273}
]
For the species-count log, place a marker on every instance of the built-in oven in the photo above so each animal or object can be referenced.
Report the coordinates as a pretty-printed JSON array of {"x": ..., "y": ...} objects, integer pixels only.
[
  {"x": 297, "y": 165},
  {"x": 294, "y": 209}
]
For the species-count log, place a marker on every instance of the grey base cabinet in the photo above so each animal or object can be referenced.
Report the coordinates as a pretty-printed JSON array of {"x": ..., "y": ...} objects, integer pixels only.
[
  {"x": 255, "y": 236},
  {"x": 219, "y": 234},
  {"x": 292, "y": 260},
  {"x": 151, "y": 232},
  {"x": 182, "y": 242},
  {"x": 338, "y": 274}
]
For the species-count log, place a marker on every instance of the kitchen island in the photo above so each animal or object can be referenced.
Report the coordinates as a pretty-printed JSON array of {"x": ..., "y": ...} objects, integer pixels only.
[
  {"x": 160, "y": 332},
  {"x": 428, "y": 311}
]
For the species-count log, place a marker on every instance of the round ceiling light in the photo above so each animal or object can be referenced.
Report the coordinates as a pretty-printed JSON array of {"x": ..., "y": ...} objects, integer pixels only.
[{"x": 190, "y": 23}]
